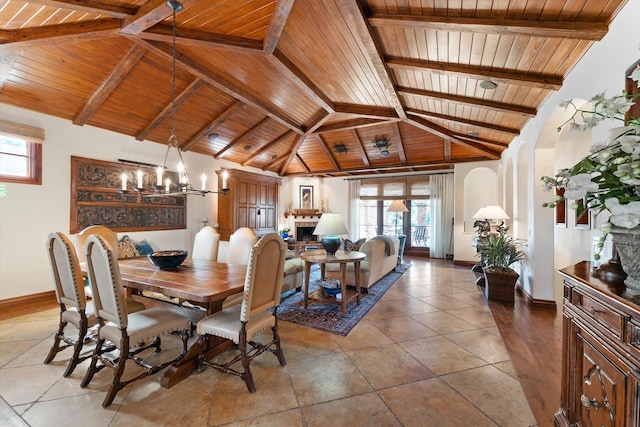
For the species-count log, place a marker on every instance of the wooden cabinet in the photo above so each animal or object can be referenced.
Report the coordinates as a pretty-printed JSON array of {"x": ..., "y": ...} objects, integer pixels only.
[
  {"x": 252, "y": 202},
  {"x": 601, "y": 352}
]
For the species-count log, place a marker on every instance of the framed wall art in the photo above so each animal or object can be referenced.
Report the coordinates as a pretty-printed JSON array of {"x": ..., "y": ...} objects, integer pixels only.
[
  {"x": 583, "y": 216},
  {"x": 561, "y": 209},
  {"x": 306, "y": 197}
]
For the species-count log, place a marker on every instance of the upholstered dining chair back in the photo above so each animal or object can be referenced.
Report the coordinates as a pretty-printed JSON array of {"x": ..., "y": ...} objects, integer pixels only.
[
  {"x": 205, "y": 244},
  {"x": 67, "y": 277},
  {"x": 265, "y": 272},
  {"x": 104, "y": 276},
  {"x": 240, "y": 244},
  {"x": 110, "y": 236}
]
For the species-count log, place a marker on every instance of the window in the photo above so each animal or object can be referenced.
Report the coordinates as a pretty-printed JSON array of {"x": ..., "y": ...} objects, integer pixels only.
[
  {"x": 20, "y": 153},
  {"x": 376, "y": 196}
]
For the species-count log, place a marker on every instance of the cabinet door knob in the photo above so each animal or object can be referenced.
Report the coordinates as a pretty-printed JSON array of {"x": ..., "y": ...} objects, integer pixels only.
[{"x": 587, "y": 403}]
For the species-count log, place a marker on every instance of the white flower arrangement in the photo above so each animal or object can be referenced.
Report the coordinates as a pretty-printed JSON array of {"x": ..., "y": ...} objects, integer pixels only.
[
  {"x": 608, "y": 179},
  {"x": 284, "y": 228}
]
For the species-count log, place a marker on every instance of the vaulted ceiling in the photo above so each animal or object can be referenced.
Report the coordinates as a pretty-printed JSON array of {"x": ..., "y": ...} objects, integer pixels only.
[{"x": 301, "y": 87}]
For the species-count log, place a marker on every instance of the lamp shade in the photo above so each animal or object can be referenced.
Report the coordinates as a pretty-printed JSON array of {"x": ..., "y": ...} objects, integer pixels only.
[
  {"x": 398, "y": 206},
  {"x": 495, "y": 212},
  {"x": 480, "y": 214},
  {"x": 329, "y": 226}
]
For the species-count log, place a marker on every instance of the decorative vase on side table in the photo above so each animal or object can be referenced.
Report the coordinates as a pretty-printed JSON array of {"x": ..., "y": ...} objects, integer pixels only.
[{"x": 627, "y": 241}]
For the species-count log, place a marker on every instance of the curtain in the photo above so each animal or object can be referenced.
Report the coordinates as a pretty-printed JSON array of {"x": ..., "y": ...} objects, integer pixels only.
[
  {"x": 441, "y": 229},
  {"x": 354, "y": 208}
]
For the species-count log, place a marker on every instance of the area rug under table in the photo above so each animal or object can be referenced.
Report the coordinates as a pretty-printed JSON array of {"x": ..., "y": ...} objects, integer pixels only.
[{"x": 328, "y": 317}]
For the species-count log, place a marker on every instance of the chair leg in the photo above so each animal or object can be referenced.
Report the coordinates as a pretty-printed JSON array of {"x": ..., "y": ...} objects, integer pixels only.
[
  {"x": 55, "y": 348},
  {"x": 278, "y": 351},
  {"x": 77, "y": 348},
  {"x": 97, "y": 352},
  {"x": 246, "y": 375},
  {"x": 116, "y": 385}
]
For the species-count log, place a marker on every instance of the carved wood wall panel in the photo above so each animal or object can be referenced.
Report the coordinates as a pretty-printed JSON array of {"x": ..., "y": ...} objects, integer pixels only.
[{"x": 96, "y": 199}]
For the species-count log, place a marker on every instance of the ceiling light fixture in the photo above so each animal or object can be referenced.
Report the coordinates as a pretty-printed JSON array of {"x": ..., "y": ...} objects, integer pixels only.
[
  {"x": 184, "y": 187},
  {"x": 213, "y": 136},
  {"x": 247, "y": 147},
  {"x": 488, "y": 84},
  {"x": 382, "y": 144},
  {"x": 340, "y": 148}
]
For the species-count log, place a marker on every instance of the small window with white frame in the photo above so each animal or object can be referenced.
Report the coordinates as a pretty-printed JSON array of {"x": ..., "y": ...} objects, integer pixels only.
[{"x": 20, "y": 153}]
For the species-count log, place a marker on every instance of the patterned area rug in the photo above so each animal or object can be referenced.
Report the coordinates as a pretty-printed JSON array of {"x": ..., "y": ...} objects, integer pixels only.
[{"x": 328, "y": 317}]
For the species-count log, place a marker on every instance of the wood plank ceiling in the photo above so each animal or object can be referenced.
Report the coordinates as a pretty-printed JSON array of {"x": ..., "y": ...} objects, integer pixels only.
[{"x": 306, "y": 87}]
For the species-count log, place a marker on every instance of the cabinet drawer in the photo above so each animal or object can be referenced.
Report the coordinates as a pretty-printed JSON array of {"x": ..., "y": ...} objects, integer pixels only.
[{"x": 610, "y": 318}]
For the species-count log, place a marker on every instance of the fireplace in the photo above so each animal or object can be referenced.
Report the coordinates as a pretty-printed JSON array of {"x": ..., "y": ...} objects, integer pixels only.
[{"x": 304, "y": 232}]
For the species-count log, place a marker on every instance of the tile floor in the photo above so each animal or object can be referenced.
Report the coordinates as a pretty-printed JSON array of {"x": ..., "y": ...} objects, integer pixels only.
[{"x": 428, "y": 354}]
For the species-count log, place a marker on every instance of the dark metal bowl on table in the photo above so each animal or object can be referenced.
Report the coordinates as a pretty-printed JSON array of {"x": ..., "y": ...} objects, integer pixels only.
[{"x": 166, "y": 260}]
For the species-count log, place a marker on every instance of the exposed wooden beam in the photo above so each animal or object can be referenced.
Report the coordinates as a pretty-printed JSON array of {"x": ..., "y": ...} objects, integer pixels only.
[
  {"x": 426, "y": 166},
  {"x": 446, "y": 150},
  {"x": 294, "y": 150},
  {"x": 328, "y": 152},
  {"x": 370, "y": 45},
  {"x": 484, "y": 125},
  {"x": 473, "y": 102},
  {"x": 302, "y": 163},
  {"x": 111, "y": 83},
  {"x": 351, "y": 124},
  {"x": 242, "y": 138},
  {"x": 276, "y": 26},
  {"x": 318, "y": 120},
  {"x": 433, "y": 128},
  {"x": 148, "y": 15},
  {"x": 398, "y": 138},
  {"x": 523, "y": 27},
  {"x": 360, "y": 148},
  {"x": 223, "y": 84},
  {"x": 89, "y": 6},
  {"x": 60, "y": 33},
  {"x": 273, "y": 165},
  {"x": 180, "y": 99},
  {"x": 190, "y": 37},
  {"x": 303, "y": 81},
  {"x": 368, "y": 111},
  {"x": 479, "y": 73},
  {"x": 267, "y": 147},
  {"x": 481, "y": 140},
  {"x": 233, "y": 109}
]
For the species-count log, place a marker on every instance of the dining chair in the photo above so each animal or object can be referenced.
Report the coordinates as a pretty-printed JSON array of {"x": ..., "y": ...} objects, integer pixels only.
[
  {"x": 257, "y": 312},
  {"x": 205, "y": 244},
  {"x": 70, "y": 295},
  {"x": 107, "y": 234},
  {"x": 238, "y": 252},
  {"x": 130, "y": 333}
]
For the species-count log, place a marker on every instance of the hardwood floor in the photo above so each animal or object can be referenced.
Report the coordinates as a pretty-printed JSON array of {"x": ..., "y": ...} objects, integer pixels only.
[{"x": 533, "y": 337}]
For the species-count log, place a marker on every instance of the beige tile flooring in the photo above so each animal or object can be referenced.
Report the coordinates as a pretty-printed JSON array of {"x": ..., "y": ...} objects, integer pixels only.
[{"x": 428, "y": 354}]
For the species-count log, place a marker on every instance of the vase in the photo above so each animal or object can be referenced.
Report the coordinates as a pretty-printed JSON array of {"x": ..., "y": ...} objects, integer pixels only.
[
  {"x": 284, "y": 234},
  {"x": 627, "y": 241}
]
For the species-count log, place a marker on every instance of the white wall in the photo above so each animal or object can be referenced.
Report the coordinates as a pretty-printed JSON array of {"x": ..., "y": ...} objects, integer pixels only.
[{"x": 30, "y": 212}]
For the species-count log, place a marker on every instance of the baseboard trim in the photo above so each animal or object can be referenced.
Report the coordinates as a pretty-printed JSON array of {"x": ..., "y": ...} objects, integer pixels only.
[
  {"x": 464, "y": 263},
  {"x": 48, "y": 297},
  {"x": 538, "y": 303}
]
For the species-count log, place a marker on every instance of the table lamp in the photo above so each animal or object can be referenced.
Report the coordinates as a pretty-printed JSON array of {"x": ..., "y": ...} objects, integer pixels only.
[
  {"x": 329, "y": 226},
  {"x": 492, "y": 214},
  {"x": 397, "y": 206}
]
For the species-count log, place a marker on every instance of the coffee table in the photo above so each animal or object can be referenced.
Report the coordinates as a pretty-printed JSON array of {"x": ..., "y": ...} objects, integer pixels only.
[{"x": 342, "y": 258}]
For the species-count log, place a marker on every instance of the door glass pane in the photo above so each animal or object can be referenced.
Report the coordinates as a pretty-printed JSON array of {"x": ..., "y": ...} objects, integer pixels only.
[
  {"x": 368, "y": 219},
  {"x": 420, "y": 223},
  {"x": 393, "y": 221}
]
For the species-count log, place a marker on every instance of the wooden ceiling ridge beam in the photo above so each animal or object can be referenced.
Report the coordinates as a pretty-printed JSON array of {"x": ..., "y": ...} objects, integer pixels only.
[
  {"x": 267, "y": 147},
  {"x": 233, "y": 109},
  {"x": 360, "y": 147},
  {"x": 276, "y": 26},
  {"x": 446, "y": 134},
  {"x": 480, "y": 73},
  {"x": 473, "y": 102},
  {"x": 327, "y": 151},
  {"x": 294, "y": 150},
  {"x": 397, "y": 136},
  {"x": 148, "y": 15},
  {"x": 111, "y": 83},
  {"x": 239, "y": 140},
  {"x": 60, "y": 33},
  {"x": 180, "y": 99},
  {"x": 317, "y": 121},
  {"x": 303, "y": 81},
  {"x": 191, "y": 37},
  {"x": 89, "y": 6},
  {"x": 224, "y": 85},
  {"x": 495, "y": 25},
  {"x": 302, "y": 163},
  {"x": 352, "y": 124},
  {"x": 371, "y": 46},
  {"x": 459, "y": 120},
  {"x": 369, "y": 111}
]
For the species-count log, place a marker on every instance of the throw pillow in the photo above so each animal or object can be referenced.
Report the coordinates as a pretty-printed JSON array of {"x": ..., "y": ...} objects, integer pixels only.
[
  {"x": 126, "y": 248},
  {"x": 143, "y": 247},
  {"x": 353, "y": 246}
]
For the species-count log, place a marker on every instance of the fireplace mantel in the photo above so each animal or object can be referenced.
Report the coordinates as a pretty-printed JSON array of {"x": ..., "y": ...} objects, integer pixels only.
[{"x": 302, "y": 215}]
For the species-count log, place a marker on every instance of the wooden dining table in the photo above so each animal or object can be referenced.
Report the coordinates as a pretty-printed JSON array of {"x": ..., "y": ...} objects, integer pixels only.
[{"x": 202, "y": 283}]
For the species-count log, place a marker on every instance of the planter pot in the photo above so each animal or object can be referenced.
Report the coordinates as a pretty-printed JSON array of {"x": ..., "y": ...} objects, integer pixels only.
[
  {"x": 627, "y": 241},
  {"x": 500, "y": 284}
]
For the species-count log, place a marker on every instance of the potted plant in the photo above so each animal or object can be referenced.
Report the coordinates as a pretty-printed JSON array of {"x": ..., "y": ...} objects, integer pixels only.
[{"x": 499, "y": 252}]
